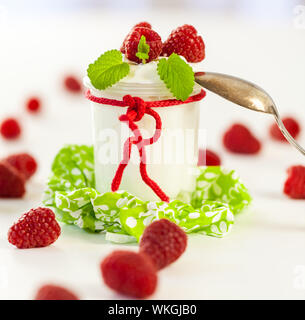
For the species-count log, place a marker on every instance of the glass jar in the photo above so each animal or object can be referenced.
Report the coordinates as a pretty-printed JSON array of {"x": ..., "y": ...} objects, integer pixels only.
[{"x": 170, "y": 160}]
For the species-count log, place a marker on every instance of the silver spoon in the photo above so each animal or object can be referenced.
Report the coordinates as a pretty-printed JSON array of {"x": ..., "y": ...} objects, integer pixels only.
[{"x": 245, "y": 94}]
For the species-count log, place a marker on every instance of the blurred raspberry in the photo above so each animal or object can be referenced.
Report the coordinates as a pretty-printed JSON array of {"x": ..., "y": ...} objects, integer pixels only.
[
  {"x": 33, "y": 105},
  {"x": 295, "y": 184},
  {"x": 129, "y": 273},
  {"x": 52, "y": 292},
  {"x": 72, "y": 84},
  {"x": 10, "y": 128},
  {"x": 24, "y": 163},
  {"x": 164, "y": 242},
  {"x": 208, "y": 158},
  {"x": 36, "y": 228},
  {"x": 140, "y": 24},
  {"x": 152, "y": 39},
  {"x": 291, "y": 125},
  {"x": 11, "y": 182},
  {"x": 239, "y": 139},
  {"x": 185, "y": 42}
]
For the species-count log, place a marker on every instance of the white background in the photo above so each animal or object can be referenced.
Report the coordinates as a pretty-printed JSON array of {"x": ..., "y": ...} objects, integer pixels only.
[{"x": 264, "y": 255}]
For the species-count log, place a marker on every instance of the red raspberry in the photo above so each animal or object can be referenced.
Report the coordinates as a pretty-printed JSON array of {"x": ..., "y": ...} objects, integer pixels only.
[
  {"x": 208, "y": 158},
  {"x": 140, "y": 24},
  {"x": 239, "y": 139},
  {"x": 10, "y": 128},
  {"x": 295, "y": 184},
  {"x": 52, "y": 292},
  {"x": 152, "y": 39},
  {"x": 11, "y": 182},
  {"x": 129, "y": 273},
  {"x": 36, "y": 228},
  {"x": 186, "y": 42},
  {"x": 33, "y": 105},
  {"x": 24, "y": 163},
  {"x": 291, "y": 125},
  {"x": 164, "y": 242},
  {"x": 72, "y": 84}
]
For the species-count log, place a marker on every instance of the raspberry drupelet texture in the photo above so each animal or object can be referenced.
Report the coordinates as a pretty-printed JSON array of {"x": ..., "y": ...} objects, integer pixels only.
[
  {"x": 53, "y": 292},
  {"x": 164, "y": 242},
  {"x": 10, "y": 128},
  {"x": 129, "y": 273},
  {"x": 208, "y": 158},
  {"x": 11, "y": 182},
  {"x": 140, "y": 24},
  {"x": 185, "y": 42},
  {"x": 295, "y": 184},
  {"x": 36, "y": 228},
  {"x": 24, "y": 163},
  {"x": 152, "y": 39},
  {"x": 239, "y": 139},
  {"x": 291, "y": 125},
  {"x": 33, "y": 105}
]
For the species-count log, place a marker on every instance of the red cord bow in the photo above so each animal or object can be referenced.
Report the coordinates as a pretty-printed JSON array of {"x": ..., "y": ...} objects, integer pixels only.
[{"x": 135, "y": 112}]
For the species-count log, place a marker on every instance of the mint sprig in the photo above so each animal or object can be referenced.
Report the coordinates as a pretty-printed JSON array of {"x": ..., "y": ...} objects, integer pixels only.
[
  {"x": 108, "y": 69},
  {"x": 143, "y": 49},
  {"x": 177, "y": 75}
]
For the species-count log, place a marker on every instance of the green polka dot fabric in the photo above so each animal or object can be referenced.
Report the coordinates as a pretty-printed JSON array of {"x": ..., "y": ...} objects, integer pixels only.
[{"x": 208, "y": 210}]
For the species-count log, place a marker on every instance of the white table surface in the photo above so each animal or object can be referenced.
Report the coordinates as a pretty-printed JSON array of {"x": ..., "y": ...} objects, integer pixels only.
[{"x": 263, "y": 256}]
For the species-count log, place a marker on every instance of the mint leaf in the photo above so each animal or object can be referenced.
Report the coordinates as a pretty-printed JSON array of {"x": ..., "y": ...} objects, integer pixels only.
[
  {"x": 177, "y": 75},
  {"x": 108, "y": 69},
  {"x": 143, "y": 49}
]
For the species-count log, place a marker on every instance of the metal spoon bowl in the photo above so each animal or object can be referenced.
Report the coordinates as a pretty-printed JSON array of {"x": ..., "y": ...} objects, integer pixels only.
[{"x": 245, "y": 94}]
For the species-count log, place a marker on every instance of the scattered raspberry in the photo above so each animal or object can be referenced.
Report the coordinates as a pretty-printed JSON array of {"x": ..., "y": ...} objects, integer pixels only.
[
  {"x": 36, "y": 228},
  {"x": 295, "y": 184},
  {"x": 24, "y": 163},
  {"x": 10, "y": 128},
  {"x": 186, "y": 42},
  {"x": 152, "y": 39},
  {"x": 72, "y": 84},
  {"x": 33, "y": 105},
  {"x": 239, "y": 139},
  {"x": 11, "y": 182},
  {"x": 129, "y": 273},
  {"x": 164, "y": 242},
  {"x": 208, "y": 158},
  {"x": 52, "y": 292},
  {"x": 291, "y": 125},
  {"x": 140, "y": 24}
]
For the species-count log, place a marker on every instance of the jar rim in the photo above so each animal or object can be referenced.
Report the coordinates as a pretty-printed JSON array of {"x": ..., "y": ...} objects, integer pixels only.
[{"x": 145, "y": 90}]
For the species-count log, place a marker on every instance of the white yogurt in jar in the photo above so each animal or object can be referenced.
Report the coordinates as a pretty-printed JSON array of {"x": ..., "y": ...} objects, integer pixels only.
[{"x": 170, "y": 160}]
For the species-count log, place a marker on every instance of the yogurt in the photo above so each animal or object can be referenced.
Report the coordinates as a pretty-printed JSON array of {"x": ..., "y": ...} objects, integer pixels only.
[{"x": 170, "y": 160}]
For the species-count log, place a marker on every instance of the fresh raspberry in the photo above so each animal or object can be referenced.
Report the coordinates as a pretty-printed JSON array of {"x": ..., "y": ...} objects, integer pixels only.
[
  {"x": 164, "y": 242},
  {"x": 72, "y": 84},
  {"x": 291, "y": 125},
  {"x": 140, "y": 24},
  {"x": 33, "y": 104},
  {"x": 11, "y": 182},
  {"x": 36, "y": 228},
  {"x": 10, "y": 128},
  {"x": 152, "y": 39},
  {"x": 52, "y": 292},
  {"x": 129, "y": 273},
  {"x": 186, "y": 42},
  {"x": 24, "y": 163},
  {"x": 295, "y": 184},
  {"x": 239, "y": 139},
  {"x": 208, "y": 158}
]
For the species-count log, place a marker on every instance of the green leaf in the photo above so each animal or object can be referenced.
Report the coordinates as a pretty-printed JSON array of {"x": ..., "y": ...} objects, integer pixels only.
[
  {"x": 143, "y": 49},
  {"x": 108, "y": 69},
  {"x": 177, "y": 75}
]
